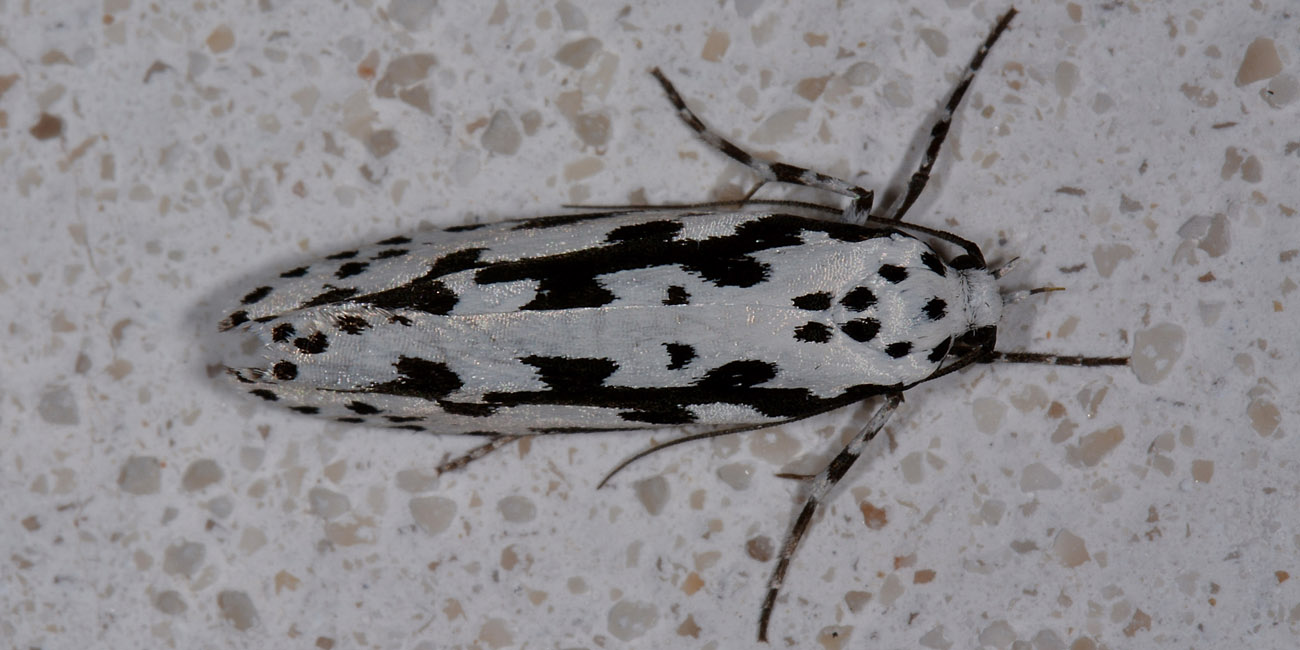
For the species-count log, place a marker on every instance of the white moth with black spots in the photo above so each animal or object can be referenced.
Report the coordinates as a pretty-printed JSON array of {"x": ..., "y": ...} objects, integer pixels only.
[{"x": 733, "y": 316}]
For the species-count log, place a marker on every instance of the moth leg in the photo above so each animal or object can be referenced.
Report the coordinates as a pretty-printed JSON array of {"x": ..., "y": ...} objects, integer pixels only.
[
  {"x": 940, "y": 129},
  {"x": 769, "y": 171},
  {"x": 821, "y": 485},
  {"x": 703, "y": 435},
  {"x": 494, "y": 443},
  {"x": 1056, "y": 359}
]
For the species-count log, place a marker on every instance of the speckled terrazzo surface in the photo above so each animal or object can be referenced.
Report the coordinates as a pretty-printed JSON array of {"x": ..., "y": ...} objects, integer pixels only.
[{"x": 157, "y": 158}]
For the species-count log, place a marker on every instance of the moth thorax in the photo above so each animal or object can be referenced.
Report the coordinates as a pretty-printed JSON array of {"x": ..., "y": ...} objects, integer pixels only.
[{"x": 983, "y": 300}]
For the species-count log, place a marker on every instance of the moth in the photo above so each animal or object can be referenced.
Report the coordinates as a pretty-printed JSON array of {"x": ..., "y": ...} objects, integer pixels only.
[{"x": 725, "y": 316}]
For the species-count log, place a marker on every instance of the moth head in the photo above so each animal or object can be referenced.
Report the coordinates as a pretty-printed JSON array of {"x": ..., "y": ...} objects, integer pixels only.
[{"x": 983, "y": 298}]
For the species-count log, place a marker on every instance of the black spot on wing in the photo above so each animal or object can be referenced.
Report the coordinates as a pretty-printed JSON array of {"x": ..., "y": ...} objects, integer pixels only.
[
  {"x": 859, "y": 299},
  {"x": 932, "y": 262},
  {"x": 892, "y": 273},
  {"x": 898, "y": 350},
  {"x": 391, "y": 252},
  {"x": 420, "y": 378},
  {"x": 313, "y": 344},
  {"x": 345, "y": 255},
  {"x": 564, "y": 373},
  {"x": 351, "y": 420},
  {"x": 351, "y": 324},
  {"x": 264, "y": 394},
  {"x": 677, "y": 296},
  {"x": 569, "y": 292},
  {"x": 305, "y": 410},
  {"x": 235, "y": 319},
  {"x": 350, "y": 269},
  {"x": 264, "y": 319},
  {"x": 861, "y": 329},
  {"x": 679, "y": 355},
  {"x": 812, "y": 332},
  {"x": 431, "y": 297},
  {"x": 395, "y": 241},
  {"x": 730, "y": 271},
  {"x": 655, "y": 230},
  {"x": 936, "y": 309},
  {"x": 361, "y": 408},
  {"x": 255, "y": 296},
  {"x": 738, "y": 374},
  {"x": 465, "y": 228},
  {"x": 284, "y": 371},
  {"x": 282, "y": 332},
  {"x": 399, "y": 419},
  {"x": 818, "y": 301},
  {"x": 409, "y": 427},
  {"x": 296, "y": 273}
]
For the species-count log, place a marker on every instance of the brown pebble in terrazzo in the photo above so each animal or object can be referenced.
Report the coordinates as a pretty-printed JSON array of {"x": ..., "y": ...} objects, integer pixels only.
[
  {"x": 183, "y": 558},
  {"x": 47, "y": 127},
  {"x": 140, "y": 475},
  {"x": 629, "y": 619},
  {"x": 237, "y": 608},
  {"x": 170, "y": 602},
  {"x": 200, "y": 474},
  {"x": 652, "y": 493},
  {"x": 576, "y": 54},
  {"x": 221, "y": 39},
  {"x": 759, "y": 548},
  {"x": 1261, "y": 61}
]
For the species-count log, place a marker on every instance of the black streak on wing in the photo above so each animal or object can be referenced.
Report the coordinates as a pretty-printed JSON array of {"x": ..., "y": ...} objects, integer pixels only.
[
  {"x": 560, "y": 220},
  {"x": 334, "y": 295},
  {"x": 571, "y": 280},
  {"x": 427, "y": 293},
  {"x": 421, "y": 378},
  {"x": 580, "y": 382}
]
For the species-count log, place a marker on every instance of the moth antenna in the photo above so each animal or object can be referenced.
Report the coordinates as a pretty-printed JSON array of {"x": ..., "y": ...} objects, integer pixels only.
[
  {"x": 796, "y": 477},
  {"x": 702, "y": 435},
  {"x": 1012, "y": 297}
]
